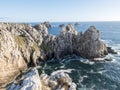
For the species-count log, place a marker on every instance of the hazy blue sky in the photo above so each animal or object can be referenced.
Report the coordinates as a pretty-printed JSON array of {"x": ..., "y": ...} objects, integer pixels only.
[{"x": 59, "y": 10}]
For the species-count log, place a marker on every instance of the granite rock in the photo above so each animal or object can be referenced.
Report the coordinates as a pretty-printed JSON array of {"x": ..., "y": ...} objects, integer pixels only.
[{"x": 90, "y": 44}]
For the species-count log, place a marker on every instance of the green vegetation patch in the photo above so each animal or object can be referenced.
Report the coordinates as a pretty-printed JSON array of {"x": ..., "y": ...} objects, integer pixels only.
[
  {"x": 20, "y": 40},
  {"x": 35, "y": 47},
  {"x": 45, "y": 47}
]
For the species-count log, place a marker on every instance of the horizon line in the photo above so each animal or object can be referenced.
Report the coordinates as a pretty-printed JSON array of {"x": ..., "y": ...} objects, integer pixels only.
[{"x": 55, "y": 21}]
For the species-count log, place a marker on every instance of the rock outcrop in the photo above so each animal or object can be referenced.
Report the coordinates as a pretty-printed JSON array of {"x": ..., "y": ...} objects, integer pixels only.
[
  {"x": 42, "y": 29},
  {"x": 47, "y": 24},
  {"x": 11, "y": 59},
  {"x": 24, "y": 45},
  {"x": 57, "y": 81},
  {"x": 69, "y": 41},
  {"x": 19, "y": 49},
  {"x": 32, "y": 81},
  {"x": 64, "y": 41},
  {"x": 110, "y": 50},
  {"x": 90, "y": 45}
]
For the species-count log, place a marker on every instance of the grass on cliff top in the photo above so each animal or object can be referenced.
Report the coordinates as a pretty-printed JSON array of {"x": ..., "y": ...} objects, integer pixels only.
[
  {"x": 35, "y": 47},
  {"x": 45, "y": 47},
  {"x": 20, "y": 41}
]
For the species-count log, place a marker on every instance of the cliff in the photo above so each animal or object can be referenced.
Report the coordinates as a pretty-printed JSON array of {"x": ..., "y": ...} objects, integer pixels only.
[{"x": 24, "y": 45}]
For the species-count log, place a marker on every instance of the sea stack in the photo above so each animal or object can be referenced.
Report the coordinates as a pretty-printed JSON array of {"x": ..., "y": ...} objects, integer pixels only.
[{"x": 90, "y": 44}]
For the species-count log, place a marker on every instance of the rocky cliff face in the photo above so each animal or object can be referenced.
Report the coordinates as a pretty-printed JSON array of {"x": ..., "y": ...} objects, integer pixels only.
[
  {"x": 19, "y": 49},
  {"x": 11, "y": 59},
  {"x": 24, "y": 45},
  {"x": 69, "y": 41},
  {"x": 90, "y": 45}
]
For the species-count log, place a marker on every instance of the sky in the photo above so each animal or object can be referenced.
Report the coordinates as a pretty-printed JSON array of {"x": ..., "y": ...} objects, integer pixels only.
[{"x": 59, "y": 10}]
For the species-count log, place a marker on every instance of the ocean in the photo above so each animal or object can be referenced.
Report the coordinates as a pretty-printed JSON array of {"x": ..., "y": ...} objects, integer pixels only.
[{"x": 89, "y": 75}]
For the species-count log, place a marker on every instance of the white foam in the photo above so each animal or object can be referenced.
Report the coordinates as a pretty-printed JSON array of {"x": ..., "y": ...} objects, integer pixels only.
[
  {"x": 113, "y": 45},
  {"x": 81, "y": 78},
  {"x": 62, "y": 66},
  {"x": 107, "y": 42},
  {"x": 64, "y": 71},
  {"x": 100, "y": 72},
  {"x": 85, "y": 76},
  {"x": 88, "y": 62}
]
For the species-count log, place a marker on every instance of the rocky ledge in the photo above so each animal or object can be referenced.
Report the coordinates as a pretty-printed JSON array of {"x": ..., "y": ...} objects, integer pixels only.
[
  {"x": 24, "y": 45},
  {"x": 32, "y": 81}
]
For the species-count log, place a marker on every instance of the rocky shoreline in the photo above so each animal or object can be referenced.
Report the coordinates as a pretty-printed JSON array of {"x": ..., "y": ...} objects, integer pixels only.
[
  {"x": 23, "y": 46},
  {"x": 32, "y": 81}
]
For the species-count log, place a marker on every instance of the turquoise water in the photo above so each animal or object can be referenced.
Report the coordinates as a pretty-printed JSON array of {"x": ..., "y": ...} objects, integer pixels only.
[{"x": 88, "y": 75}]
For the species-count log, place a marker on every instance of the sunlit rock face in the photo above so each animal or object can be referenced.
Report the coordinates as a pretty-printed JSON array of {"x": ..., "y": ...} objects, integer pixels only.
[
  {"x": 19, "y": 49},
  {"x": 90, "y": 45},
  {"x": 11, "y": 59},
  {"x": 42, "y": 29}
]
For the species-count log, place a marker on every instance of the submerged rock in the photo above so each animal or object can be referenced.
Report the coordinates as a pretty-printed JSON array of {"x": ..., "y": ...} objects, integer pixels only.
[
  {"x": 62, "y": 25},
  {"x": 77, "y": 24},
  {"x": 110, "y": 50},
  {"x": 110, "y": 59}
]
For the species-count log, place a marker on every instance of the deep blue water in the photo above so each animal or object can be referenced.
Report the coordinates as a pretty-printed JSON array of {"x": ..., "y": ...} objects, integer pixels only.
[{"x": 89, "y": 75}]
